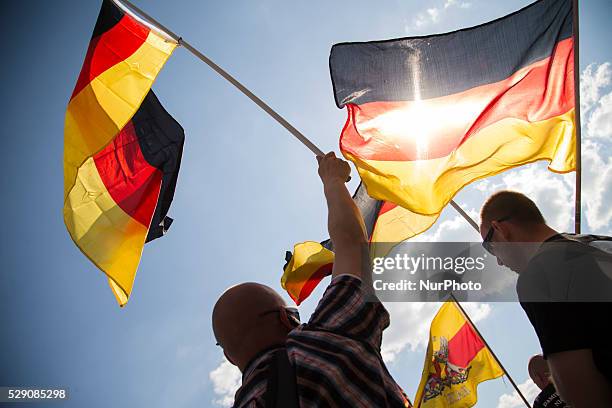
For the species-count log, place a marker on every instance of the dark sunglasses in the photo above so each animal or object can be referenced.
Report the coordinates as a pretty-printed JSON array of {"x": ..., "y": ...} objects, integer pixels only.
[
  {"x": 292, "y": 314},
  {"x": 487, "y": 244}
]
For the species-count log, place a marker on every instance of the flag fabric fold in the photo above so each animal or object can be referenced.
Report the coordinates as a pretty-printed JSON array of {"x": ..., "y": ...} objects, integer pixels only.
[
  {"x": 386, "y": 225},
  {"x": 122, "y": 150},
  {"x": 429, "y": 115},
  {"x": 457, "y": 360}
]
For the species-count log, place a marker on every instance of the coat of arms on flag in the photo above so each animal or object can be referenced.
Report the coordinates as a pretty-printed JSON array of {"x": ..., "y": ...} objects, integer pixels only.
[{"x": 457, "y": 360}]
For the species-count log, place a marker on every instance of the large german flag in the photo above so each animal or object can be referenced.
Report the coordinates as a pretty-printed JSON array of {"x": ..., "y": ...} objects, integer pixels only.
[
  {"x": 386, "y": 224},
  {"x": 457, "y": 360},
  {"x": 122, "y": 150},
  {"x": 428, "y": 115}
]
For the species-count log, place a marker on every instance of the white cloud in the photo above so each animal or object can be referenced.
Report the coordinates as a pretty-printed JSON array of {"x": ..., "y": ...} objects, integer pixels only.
[
  {"x": 477, "y": 311},
  {"x": 553, "y": 194},
  {"x": 226, "y": 379},
  {"x": 596, "y": 110},
  {"x": 513, "y": 400},
  {"x": 483, "y": 185},
  {"x": 409, "y": 327},
  {"x": 460, "y": 4},
  {"x": 596, "y": 183},
  {"x": 421, "y": 20},
  {"x": 433, "y": 15},
  {"x": 410, "y": 324},
  {"x": 456, "y": 229},
  {"x": 599, "y": 123},
  {"x": 592, "y": 80}
]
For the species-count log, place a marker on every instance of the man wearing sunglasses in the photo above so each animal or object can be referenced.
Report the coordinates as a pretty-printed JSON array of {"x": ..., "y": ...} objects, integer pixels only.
[
  {"x": 556, "y": 277},
  {"x": 333, "y": 360}
]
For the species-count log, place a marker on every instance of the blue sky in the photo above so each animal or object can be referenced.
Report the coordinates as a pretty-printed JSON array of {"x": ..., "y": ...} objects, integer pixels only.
[{"x": 247, "y": 192}]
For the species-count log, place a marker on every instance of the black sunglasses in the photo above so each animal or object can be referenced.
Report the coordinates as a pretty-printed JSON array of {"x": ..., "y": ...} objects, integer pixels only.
[
  {"x": 486, "y": 243},
  {"x": 292, "y": 313}
]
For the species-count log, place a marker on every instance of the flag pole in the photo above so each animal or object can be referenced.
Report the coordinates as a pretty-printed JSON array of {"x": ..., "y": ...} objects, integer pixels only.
[
  {"x": 577, "y": 215},
  {"x": 465, "y": 215},
  {"x": 305, "y": 141},
  {"x": 313, "y": 148},
  {"x": 490, "y": 349}
]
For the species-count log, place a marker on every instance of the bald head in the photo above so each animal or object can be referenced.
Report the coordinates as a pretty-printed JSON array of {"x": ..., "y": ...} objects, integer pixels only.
[
  {"x": 539, "y": 371},
  {"x": 241, "y": 323}
]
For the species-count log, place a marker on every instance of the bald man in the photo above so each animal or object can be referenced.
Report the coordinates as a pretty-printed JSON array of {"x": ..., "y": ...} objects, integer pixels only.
[
  {"x": 540, "y": 375},
  {"x": 333, "y": 360},
  {"x": 553, "y": 274}
]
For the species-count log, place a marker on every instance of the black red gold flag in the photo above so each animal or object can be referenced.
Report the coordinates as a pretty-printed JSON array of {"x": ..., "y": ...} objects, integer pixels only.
[
  {"x": 122, "y": 150},
  {"x": 429, "y": 115},
  {"x": 386, "y": 223}
]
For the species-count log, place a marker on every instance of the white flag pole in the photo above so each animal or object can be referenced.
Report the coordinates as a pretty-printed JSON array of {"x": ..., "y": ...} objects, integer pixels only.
[{"x": 313, "y": 148}]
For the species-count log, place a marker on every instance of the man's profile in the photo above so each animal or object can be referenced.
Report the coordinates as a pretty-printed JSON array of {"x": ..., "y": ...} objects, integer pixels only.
[{"x": 556, "y": 276}]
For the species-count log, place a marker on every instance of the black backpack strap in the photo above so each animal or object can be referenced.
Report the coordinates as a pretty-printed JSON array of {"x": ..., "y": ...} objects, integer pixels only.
[
  {"x": 282, "y": 386},
  {"x": 585, "y": 238}
]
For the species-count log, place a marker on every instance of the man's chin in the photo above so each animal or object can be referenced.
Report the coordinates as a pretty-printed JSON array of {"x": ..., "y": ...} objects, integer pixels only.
[
  {"x": 513, "y": 268},
  {"x": 516, "y": 269}
]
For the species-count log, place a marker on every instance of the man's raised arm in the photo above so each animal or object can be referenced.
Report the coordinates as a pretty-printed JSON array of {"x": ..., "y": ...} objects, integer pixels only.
[{"x": 345, "y": 223}]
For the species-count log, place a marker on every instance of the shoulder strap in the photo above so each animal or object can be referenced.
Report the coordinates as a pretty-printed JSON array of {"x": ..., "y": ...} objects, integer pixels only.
[{"x": 282, "y": 387}]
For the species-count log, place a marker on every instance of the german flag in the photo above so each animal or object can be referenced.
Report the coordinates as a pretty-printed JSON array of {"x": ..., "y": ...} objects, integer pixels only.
[
  {"x": 122, "y": 150},
  {"x": 428, "y": 115},
  {"x": 457, "y": 360},
  {"x": 386, "y": 224}
]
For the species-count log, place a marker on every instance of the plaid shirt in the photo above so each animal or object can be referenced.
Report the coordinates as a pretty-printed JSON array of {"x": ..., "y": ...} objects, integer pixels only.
[{"x": 336, "y": 355}]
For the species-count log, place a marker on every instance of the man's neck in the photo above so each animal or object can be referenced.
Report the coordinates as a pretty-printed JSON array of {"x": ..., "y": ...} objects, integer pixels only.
[
  {"x": 256, "y": 355},
  {"x": 537, "y": 235},
  {"x": 542, "y": 233}
]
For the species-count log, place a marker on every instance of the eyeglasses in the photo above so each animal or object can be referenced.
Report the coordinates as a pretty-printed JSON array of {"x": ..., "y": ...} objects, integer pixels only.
[
  {"x": 293, "y": 316},
  {"x": 487, "y": 244}
]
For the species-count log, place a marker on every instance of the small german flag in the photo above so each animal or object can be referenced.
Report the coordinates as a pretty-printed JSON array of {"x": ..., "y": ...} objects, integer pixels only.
[
  {"x": 122, "y": 150},
  {"x": 386, "y": 225},
  {"x": 428, "y": 115}
]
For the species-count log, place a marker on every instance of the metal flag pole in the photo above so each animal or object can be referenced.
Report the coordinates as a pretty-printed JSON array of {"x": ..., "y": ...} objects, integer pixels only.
[
  {"x": 465, "y": 215},
  {"x": 313, "y": 148},
  {"x": 490, "y": 349},
  {"x": 577, "y": 214}
]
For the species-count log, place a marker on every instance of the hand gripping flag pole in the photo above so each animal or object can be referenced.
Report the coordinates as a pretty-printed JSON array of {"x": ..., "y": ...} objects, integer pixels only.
[{"x": 305, "y": 141}]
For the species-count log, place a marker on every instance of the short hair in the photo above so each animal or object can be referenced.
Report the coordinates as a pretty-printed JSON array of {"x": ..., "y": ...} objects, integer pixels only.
[{"x": 511, "y": 204}]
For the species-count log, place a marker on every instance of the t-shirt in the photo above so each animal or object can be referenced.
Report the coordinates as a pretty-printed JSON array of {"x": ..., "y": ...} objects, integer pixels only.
[
  {"x": 549, "y": 398},
  {"x": 336, "y": 355},
  {"x": 558, "y": 272}
]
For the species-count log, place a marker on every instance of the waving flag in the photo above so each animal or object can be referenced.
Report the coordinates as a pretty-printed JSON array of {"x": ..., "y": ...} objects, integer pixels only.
[
  {"x": 386, "y": 225},
  {"x": 428, "y": 115},
  {"x": 122, "y": 150},
  {"x": 457, "y": 360}
]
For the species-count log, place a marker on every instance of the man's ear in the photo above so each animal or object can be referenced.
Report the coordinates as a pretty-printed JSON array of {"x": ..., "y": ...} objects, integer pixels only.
[
  {"x": 502, "y": 230},
  {"x": 288, "y": 321},
  {"x": 229, "y": 359}
]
